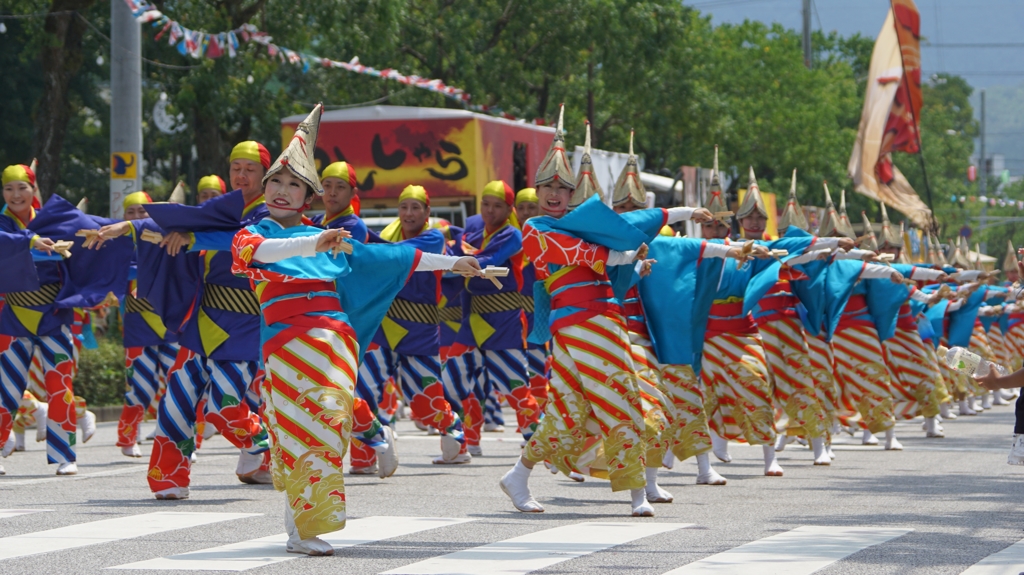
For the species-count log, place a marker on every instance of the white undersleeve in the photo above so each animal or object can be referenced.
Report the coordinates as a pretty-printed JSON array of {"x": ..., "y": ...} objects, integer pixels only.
[
  {"x": 919, "y": 296},
  {"x": 277, "y": 249},
  {"x": 925, "y": 274},
  {"x": 875, "y": 271},
  {"x": 712, "y": 250},
  {"x": 435, "y": 262},
  {"x": 616, "y": 258},
  {"x": 853, "y": 255},
  {"x": 680, "y": 214}
]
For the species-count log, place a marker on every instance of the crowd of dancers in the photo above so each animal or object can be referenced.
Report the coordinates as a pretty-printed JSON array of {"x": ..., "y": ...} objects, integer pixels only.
[{"x": 621, "y": 347}]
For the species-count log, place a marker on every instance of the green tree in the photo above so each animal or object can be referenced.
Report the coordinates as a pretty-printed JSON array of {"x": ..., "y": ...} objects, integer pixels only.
[{"x": 653, "y": 66}]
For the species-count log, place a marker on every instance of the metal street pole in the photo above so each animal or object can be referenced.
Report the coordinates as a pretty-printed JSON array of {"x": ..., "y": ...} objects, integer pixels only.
[
  {"x": 807, "y": 33},
  {"x": 125, "y": 105},
  {"x": 982, "y": 183}
]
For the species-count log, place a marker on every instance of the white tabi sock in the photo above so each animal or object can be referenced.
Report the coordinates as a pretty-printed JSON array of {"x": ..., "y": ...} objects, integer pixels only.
[
  {"x": 720, "y": 447},
  {"x": 655, "y": 494},
  {"x": 868, "y": 438},
  {"x": 890, "y": 440},
  {"x": 703, "y": 464},
  {"x": 641, "y": 508},
  {"x": 516, "y": 485},
  {"x": 820, "y": 455},
  {"x": 706, "y": 475},
  {"x": 669, "y": 460},
  {"x": 771, "y": 465},
  {"x": 945, "y": 410}
]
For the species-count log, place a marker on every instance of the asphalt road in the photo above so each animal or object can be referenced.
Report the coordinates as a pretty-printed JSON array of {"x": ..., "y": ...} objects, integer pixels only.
[{"x": 940, "y": 506}]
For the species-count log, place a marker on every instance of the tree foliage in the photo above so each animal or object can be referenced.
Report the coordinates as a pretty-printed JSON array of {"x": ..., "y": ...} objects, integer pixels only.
[{"x": 654, "y": 66}]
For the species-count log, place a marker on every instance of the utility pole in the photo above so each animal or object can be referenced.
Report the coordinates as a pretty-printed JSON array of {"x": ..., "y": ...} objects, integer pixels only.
[
  {"x": 982, "y": 183},
  {"x": 125, "y": 106},
  {"x": 807, "y": 33}
]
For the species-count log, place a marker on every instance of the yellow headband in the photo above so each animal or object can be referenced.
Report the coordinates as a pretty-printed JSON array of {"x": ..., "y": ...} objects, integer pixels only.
[
  {"x": 212, "y": 183},
  {"x": 252, "y": 151},
  {"x": 341, "y": 170},
  {"x": 526, "y": 195},
  {"x": 136, "y": 199},
  {"x": 17, "y": 173},
  {"x": 418, "y": 193},
  {"x": 501, "y": 190}
]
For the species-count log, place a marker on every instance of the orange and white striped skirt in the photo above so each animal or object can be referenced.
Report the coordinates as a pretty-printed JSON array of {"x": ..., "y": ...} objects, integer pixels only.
[
  {"x": 863, "y": 378},
  {"x": 593, "y": 387},
  {"x": 788, "y": 357},
  {"x": 916, "y": 378},
  {"x": 309, "y": 401},
  {"x": 657, "y": 421},
  {"x": 739, "y": 399}
]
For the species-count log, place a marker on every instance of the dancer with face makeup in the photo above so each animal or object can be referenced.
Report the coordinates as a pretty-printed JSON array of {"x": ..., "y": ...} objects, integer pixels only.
[{"x": 318, "y": 305}]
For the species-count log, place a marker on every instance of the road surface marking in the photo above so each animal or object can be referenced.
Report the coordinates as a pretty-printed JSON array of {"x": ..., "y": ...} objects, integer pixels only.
[
  {"x": 538, "y": 550},
  {"x": 106, "y": 531},
  {"x": 269, "y": 550},
  {"x": 1009, "y": 561},
  {"x": 5, "y": 513},
  {"x": 801, "y": 551}
]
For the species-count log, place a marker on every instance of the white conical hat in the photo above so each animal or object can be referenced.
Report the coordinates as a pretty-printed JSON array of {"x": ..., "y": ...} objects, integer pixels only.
[
  {"x": 889, "y": 239},
  {"x": 586, "y": 183},
  {"x": 178, "y": 194},
  {"x": 868, "y": 241},
  {"x": 793, "y": 213},
  {"x": 1010, "y": 261},
  {"x": 298, "y": 156},
  {"x": 830, "y": 225},
  {"x": 629, "y": 187},
  {"x": 845, "y": 226},
  {"x": 752, "y": 200},
  {"x": 716, "y": 197},
  {"x": 555, "y": 166}
]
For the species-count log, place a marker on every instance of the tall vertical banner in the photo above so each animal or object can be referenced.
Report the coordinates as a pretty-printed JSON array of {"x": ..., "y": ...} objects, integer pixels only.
[{"x": 890, "y": 120}]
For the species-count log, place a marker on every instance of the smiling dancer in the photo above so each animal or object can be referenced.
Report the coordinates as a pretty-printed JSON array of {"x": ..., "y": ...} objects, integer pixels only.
[
  {"x": 593, "y": 384},
  {"x": 317, "y": 309}
]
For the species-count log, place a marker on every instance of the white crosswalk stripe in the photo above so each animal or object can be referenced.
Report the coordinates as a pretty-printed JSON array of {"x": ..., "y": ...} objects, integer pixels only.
[
  {"x": 1009, "y": 561},
  {"x": 538, "y": 550},
  {"x": 801, "y": 551},
  {"x": 5, "y": 513},
  {"x": 270, "y": 550},
  {"x": 106, "y": 531}
]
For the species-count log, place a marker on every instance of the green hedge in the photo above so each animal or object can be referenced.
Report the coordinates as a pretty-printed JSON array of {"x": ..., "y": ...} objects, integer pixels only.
[{"x": 101, "y": 373}]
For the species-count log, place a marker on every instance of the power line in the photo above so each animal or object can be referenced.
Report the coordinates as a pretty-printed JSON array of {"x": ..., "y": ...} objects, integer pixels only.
[
  {"x": 146, "y": 60},
  {"x": 726, "y": 3},
  {"x": 989, "y": 73},
  {"x": 973, "y": 45},
  {"x": 34, "y": 15}
]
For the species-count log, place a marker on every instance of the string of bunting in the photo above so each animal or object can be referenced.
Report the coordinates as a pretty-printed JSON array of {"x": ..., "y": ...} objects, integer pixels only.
[
  {"x": 993, "y": 202},
  {"x": 198, "y": 44}
]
